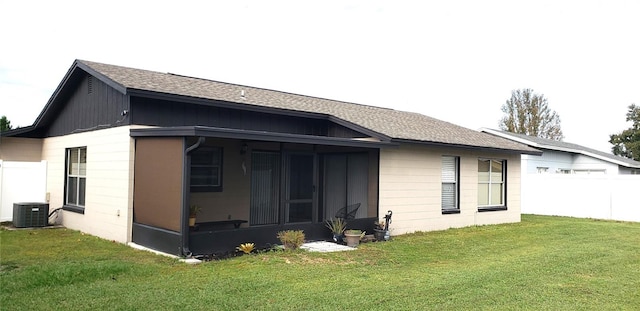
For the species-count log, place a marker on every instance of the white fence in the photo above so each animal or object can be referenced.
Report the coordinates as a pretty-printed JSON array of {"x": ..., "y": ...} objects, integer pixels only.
[
  {"x": 614, "y": 197},
  {"x": 21, "y": 182}
]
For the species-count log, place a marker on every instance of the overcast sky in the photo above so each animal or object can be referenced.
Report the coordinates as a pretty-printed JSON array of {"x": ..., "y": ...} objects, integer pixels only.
[{"x": 453, "y": 60}]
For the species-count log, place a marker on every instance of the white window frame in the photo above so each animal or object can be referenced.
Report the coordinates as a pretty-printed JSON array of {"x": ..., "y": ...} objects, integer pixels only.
[
  {"x": 76, "y": 170},
  {"x": 450, "y": 179},
  {"x": 490, "y": 182}
]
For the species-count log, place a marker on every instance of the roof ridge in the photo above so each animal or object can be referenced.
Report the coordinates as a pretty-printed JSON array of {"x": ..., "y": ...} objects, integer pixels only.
[{"x": 277, "y": 91}]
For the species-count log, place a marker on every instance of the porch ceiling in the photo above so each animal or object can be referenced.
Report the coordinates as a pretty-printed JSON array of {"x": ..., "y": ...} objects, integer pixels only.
[{"x": 203, "y": 131}]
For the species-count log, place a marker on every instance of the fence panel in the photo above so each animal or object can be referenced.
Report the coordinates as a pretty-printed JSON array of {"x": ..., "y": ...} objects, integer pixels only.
[
  {"x": 21, "y": 182},
  {"x": 612, "y": 197}
]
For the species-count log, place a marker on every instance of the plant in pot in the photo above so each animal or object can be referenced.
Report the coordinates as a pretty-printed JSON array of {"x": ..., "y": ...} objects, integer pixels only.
[
  {"x": 337, "y": 227},
  {"x": 291, "y": 239},
  {"x": 193, "y": 211},
  {"x": 353, "y": 237},
  {"x": 379, "y": 230}
]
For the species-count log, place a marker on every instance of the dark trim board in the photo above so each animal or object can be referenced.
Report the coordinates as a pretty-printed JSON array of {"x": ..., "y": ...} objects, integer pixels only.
[
  {"x": 467, "y": 147},
  {"x": 202, "y": 131},
  {"x": 156, "y": 238},
  {"x": 212, "y": 242}
]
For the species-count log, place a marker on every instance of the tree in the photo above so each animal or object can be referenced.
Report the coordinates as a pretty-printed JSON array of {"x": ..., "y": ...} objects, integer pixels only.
[
  {"x": 528, "y": 113},
  {"x": 5, "y": 124},
  {"x": 627, "y": 143}
]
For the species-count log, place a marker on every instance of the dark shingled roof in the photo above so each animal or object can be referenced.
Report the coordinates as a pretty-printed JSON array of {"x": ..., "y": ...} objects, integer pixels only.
[
  {"x": 394, "y": 124},
  {"x": 543, "y": 143}
]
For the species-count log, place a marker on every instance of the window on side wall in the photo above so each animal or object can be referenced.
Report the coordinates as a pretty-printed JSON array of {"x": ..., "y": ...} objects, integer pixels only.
[
  {"x": 450, "y": 185},
  {"x": 206, "y": 170},
  {"x": 76, "y": 179},
  {"x": 492, "y": 187}
]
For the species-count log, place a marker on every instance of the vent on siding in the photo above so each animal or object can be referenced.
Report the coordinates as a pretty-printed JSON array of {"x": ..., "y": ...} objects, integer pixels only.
[{"x": 90, "y": 85}]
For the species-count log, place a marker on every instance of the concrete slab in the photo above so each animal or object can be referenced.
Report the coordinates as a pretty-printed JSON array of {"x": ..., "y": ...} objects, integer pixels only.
[
  {"x": 190, "y": 261},
  {"x": 325, "y": 247}
]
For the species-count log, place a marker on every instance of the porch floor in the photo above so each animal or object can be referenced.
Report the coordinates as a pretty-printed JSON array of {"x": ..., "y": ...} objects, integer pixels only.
[{"x": 325, "y": 247}]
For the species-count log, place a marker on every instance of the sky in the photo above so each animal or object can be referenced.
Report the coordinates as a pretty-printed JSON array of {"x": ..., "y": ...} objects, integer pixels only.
[{"x": 457, "y": 61}]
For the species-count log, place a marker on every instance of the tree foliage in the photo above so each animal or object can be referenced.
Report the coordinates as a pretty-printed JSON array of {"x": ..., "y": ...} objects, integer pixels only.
[
  {"x": 627, "y": 143},
  {"x": 5, "y": 124},
  {"x": 528, "y": 113}
]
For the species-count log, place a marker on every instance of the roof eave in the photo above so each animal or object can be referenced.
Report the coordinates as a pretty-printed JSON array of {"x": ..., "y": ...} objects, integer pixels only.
[
  {"x": 590, "y": 154},
  {"x": 77, "y": 64},
  {"x": 558, "y": 148},
  {"x": 510, "y": 137},
  {"x": 197, "y": 131},
  {"x": 55, "y": 95},
  {"x": 18, "y": 131},
  {"x": 461, "y": 146},
  {"x": 119, "y": 87}
]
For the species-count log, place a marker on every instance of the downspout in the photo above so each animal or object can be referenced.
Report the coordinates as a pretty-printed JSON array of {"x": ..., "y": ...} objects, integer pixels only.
[{"x": 186, "y": 181}]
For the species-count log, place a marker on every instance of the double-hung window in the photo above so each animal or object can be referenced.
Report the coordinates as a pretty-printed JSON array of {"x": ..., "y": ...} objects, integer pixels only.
[
  {"x": 491, "y": 184},
  {"x": 206, "y": 170},
  {"x": 76, "y": 177},
  {"x": 450, "y": 185}
]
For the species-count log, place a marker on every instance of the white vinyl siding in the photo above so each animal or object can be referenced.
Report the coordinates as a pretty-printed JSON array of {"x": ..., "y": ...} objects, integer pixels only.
[
  {"x": 411, "y": 182},
  {"x": 450, "y": 173},
  {"x": 108, "y": 208}
]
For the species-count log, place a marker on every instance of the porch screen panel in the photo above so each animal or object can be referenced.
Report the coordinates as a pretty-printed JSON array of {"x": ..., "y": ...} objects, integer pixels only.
[
  {"x": 358, "y": 182},
  {"x": 346, "y": 182},
  {"x": 335, "y": 184},
  {"x": 299, "y": 187},
  {"x": 265, "y": 181}
]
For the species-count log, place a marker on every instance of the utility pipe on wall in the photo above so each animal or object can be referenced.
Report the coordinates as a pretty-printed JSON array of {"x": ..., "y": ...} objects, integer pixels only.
[{"x": 186, "y": 185}]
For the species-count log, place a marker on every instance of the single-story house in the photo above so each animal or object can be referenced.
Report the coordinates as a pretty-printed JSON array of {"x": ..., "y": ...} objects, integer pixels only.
[
  {"x": 560, "y": 157},
  {"x": 128, "y": 151}
]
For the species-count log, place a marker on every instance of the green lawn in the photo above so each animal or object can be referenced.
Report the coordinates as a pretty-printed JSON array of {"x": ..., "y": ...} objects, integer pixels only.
[{"x": 542, "y": 263}]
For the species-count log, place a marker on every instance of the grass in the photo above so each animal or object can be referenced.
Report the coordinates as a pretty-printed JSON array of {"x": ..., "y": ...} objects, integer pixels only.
[{"x": 542, "y": 263}]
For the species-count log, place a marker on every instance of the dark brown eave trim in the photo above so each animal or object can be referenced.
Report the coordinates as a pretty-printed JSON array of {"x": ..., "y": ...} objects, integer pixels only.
[
  {"x": 54, "y": 96},
  {"x": 18, "y": 132},
  {"x": 77, "y": 65},
  {"x": 119, "y": 87},
  {"x": 460, "y": 146},
  {"x": 203, "y": 131},
  {"x": 254, "y": 108}
]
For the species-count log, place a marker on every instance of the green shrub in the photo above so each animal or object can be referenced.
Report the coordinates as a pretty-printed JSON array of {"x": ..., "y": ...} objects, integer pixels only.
[
  {"x": 291, "y": 239},
  {"x": 336, "y": 226}
]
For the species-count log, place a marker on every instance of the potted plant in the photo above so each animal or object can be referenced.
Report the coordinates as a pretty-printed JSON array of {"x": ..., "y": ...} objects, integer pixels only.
[
  {"x": 337, "y": 227},
  {"x": 193, "y": 211},
  {"x": 353, "y": 237},
  {"x": 379, "y": 230}
]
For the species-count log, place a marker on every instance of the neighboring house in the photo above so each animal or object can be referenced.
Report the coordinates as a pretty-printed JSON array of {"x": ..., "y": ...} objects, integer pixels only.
[
  {"x": 560, "y": 157},
  {"x": 128, "y": 152},
  {"x": 572, "y": 180}
]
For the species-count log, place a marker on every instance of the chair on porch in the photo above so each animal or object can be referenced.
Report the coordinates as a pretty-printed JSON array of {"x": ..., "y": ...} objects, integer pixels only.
[{"x": 348, "y": 212}]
